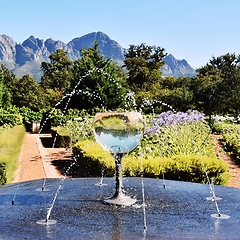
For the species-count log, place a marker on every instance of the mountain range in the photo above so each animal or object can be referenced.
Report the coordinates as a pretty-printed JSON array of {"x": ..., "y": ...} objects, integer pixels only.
[{"x": 26, "y": 57}]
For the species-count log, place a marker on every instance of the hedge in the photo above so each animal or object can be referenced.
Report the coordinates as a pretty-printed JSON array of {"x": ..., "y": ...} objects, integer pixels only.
[
  {"x": 10, "y": 119},
  {"x": 62, "y": 135},
  {"x": 190, "y": 168},
  {"x": 3, "y": 177}
]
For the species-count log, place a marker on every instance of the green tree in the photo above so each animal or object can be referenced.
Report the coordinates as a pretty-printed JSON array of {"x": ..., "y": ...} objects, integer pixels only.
[
  {"x": 143, "y": 64},
  {"x": 57, "y": 75},
  {"x": 234, "y": 100},
  {"x": 176, "y": 92},
  {"x": 219, "y": 84},
  {"x": 228, "y": 67},
  {"x": 8, "y": 80},
  {"x": 98, "y": 82},
  {"x": 28, "y": 93},
  {"x": 206, "y": 93},
  {"x": 5, "y": 97}
]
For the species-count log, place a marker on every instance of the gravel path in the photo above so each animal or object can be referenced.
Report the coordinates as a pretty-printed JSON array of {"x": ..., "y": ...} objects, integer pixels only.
[{"x": 234, "y": 168}]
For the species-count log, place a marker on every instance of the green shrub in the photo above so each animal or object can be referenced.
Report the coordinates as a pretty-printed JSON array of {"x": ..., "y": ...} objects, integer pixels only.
[
  {"x": 3, "y": 177},
  {"x": 29, "y": 117},
  {"x": 93, "y": 158},
  {"x": 81, "y": 128},
  {"x": 231, "y": 142},
  {"x": 17, "y": 116},
  {"x": 62, "y": 135},
  {"x": 191, "y": 168},
  {"x": 10, "y": 119},
  {"x": 230, "y": 136}
]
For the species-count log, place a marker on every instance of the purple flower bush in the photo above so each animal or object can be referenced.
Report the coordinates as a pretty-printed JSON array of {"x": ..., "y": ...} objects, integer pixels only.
[
  {"x": 171, "y": 118},
  {"x": 173, "y": 133}
]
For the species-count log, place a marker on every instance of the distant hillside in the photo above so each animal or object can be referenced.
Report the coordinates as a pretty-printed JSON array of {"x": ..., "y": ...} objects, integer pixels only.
[{"x": 26, "y": 58}]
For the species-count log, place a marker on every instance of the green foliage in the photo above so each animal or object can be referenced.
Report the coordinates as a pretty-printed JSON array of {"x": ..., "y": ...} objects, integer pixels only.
[
  {"x": 11, "y": 140},
  {"x": 231, "y": 141},
  {"x": 62, "y": 137},
  {"x": 4, "y": 93},
  {"x": 9, "y": 119},
  {"x": 8, "y": 80},
  {"x": 29, "y": 116},
  {"x": 98, "y": 82},
  {"x": 57, "y": 77},
  {"x": 93, "y": 81},
  {"x": 93, "y": 158},
  {"x": 176, "y": 92},
  {"x": 28, "y": 93},
  {"x": 80, "y": 129},
  {"x": 207, "y": 95},
  {"x": 186, "y": 139},
  {"x": 230, "y": 136},
  {"x": 218, "y": 85},
  {"x": 12, "y": 116},
  {"x": 143, "y": 64},
  {"x": 57, "y": 74},
  {"x": 78, "y": 122},
  {"x": 3, "y": 177},
  {"x": 76, "y": 125},
  {"x": 181, "y": 167}
]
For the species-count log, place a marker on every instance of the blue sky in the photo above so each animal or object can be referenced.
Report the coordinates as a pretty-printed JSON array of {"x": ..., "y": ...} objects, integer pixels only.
[{"x": 195, "y": 30}]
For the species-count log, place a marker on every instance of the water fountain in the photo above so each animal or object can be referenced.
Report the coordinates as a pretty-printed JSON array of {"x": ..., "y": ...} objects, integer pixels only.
[{"x": 178, "y": 210}]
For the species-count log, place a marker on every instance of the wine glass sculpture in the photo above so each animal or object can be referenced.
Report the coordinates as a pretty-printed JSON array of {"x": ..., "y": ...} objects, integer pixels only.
[{"x": 118, "y": 133}]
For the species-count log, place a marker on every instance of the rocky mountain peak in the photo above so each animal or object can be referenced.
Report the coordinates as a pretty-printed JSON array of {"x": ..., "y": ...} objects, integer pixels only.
[
  {"x": 109, "y": 47},
  {"x": 7, "y": 48},
  {"x": 26, "y": 58},
  {"x": 176, "y": 67}
]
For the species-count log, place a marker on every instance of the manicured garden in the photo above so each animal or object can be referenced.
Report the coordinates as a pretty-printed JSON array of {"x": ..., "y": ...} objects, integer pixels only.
[{"x": 178, "y": 145}]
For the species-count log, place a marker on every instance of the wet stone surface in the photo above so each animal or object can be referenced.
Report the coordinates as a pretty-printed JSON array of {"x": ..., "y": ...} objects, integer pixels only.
[{"x": 179, "y": 211}]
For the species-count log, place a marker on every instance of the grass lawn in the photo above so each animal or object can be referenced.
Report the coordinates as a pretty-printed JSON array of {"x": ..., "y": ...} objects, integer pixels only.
[{"x": 11, "y": 140}]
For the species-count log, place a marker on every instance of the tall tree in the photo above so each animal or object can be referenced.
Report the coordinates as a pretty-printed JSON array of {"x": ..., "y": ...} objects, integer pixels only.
[
  {"x": 28, "y": 93},
  {"x": 176, "y": 92},
  {"x": 219, "y": 82},
  {"x": 144, "y": 66},
  {"x": 57, "y": 74},
  {"x": 98, "y": 81},
  {"x": 206, "y": 93},
  {"x": 5, "y": 97},
  {"x": 8, "y": 80}
]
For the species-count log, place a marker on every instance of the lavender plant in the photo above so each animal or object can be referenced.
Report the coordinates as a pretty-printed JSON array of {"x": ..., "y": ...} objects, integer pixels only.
[
  {"x": 177, "y": 133},
  {"x": 171, "y": 118}
]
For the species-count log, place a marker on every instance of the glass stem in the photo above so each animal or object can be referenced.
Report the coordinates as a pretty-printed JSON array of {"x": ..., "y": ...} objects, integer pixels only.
[{"x": 118, "y": 165}]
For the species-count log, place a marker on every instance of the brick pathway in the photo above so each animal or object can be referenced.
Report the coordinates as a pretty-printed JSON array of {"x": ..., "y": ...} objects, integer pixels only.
[{"x": 35, "y": 161}]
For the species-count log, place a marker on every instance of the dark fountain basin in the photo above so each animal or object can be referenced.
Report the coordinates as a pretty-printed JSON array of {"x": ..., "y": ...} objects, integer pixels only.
[{"x": 179, "y": 211}]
